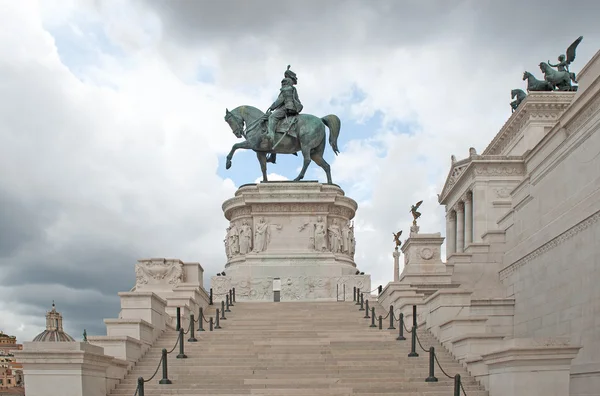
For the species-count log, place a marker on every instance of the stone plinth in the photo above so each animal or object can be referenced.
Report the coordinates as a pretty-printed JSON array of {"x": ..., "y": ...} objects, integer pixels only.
[
  {"x": 422, "y": 260},
  {"x": 530, "y": 367},
  {"x": 69, "y": 369},
  {"x": 299, "y": 232}
]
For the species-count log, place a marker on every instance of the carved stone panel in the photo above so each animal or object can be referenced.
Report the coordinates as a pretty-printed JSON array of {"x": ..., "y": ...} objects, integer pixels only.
[{"x": 159, "y": 272}]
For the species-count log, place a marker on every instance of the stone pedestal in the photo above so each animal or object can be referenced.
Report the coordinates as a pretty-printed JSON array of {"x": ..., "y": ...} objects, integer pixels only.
[
  {"x": 530, "y": 367},
  {"x": 422, "y": 260},
  {"x": 69, "y": 369},
  {"x": 299, "y": 232}
]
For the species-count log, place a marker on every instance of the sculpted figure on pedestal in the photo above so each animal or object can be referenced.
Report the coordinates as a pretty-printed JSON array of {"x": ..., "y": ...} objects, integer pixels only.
[
  {"x": 413, "y": 211},
  {"x": 226, "y": 243},
  {"x": 287, "y": 132},
  {"x": 320, "y": 232},
  {"x": 397, "y": 239},
  {"x": 335, "y": 237},
  {"x": 352, "y": 241},
  {"x": 262, "y": 235},
  {"x": 520, "y": 96},
  {"x": 562, "y": 77},
  {"x": 346, "y": 238},
  {"x": 233, "y": 236},
  {"x": 245, "y": 238}
]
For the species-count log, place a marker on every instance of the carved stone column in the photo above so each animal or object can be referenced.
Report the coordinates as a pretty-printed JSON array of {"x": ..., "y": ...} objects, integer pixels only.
[
  {"x": 460, "y": 227},
  {"x": 396, "y": 265},
  {"x": 468, "y": 218},
  {"x": 450, "y": 232}
]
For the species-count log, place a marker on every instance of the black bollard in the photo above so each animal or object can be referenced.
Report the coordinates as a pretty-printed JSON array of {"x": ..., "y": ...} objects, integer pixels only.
[
  {"x": 217, "y": 320},
  {"x": 230, "y": 297},
  {"x": 165, "y": 379},
  {"x": 227, "y": 303},
  {"x": 401, "y": 327},
  {"x": 431, "y": 377},
  {"x": 178, "y": 319},
  {"x": 234, "y": 294},
  {"x": 140, "y": 387},
  {"x": 380, "y": 289},
  {"x": 201, "y": 320},
  {"x": 210, "y": 297},
  {"x": 192, "y": 338},
  {"x": 223, "y": 310},
  {"x": 373, "y": 317},
  {"x": 414, "y": 316},
  {"x": 457, "y": 385},
  {"x": 358, "y": 296},
  {"x": 210, "y": 323},
  {"x": 354, "y": 293},
  {"x": 362, "y": 301},
  {"x": 413, "y": 343},
  {"x": 380, "y": 322},
  {"x": 367, "y": 309},
  {"x": 182, "y": 354},
  {"x": 391, "y": 315}
]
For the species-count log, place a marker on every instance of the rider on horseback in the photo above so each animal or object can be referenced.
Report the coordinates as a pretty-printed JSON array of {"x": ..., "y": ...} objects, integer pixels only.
[
  {"x": 563, "y": 66},
  {"x": 287, "y": 104}
]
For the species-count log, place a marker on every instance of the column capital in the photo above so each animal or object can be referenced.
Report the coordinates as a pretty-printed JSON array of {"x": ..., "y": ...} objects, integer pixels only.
[
  {"x": 459, "y": 207},
  {"x": 451, "y": 215},
  {"x": 466, "y": 197}
]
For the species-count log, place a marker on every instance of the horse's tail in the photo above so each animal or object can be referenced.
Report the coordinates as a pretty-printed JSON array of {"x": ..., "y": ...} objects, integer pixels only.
[{"x": 334, "y": 124}]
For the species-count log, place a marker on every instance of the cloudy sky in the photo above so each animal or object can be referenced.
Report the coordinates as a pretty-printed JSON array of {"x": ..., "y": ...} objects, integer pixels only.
[{"x": 112, "y": 138}]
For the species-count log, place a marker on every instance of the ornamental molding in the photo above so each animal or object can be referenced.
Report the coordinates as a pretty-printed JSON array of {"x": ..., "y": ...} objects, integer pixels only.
[
  {"x": 478, "y": 166},
  {"x": 537, "y": 106},
  {"x": 159, "y": 272},
  {"x": 581, "y": 118},
  {"x": 570, "y": 233}
]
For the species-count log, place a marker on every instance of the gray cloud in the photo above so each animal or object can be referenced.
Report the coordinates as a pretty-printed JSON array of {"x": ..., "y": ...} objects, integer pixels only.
[{"x": 93, "y": 178}]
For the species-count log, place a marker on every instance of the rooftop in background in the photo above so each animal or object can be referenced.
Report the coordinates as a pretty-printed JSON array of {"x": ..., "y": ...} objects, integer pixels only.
[{"x": 54, "y": 328}]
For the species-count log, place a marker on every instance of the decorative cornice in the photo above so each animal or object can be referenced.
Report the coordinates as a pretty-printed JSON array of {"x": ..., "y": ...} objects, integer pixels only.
[
  {"x": 536, "y": 106},
  {"x": 590, "y": 109},
  {"x": 585, "y": 224},
  {"x": 482, "y": 165}
]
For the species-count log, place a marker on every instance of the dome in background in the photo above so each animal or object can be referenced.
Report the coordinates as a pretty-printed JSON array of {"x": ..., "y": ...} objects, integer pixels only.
[{"x": 54, "y": 328}]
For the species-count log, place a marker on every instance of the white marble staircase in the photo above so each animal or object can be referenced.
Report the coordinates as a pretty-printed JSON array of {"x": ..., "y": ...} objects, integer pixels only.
[{"x": 297, "y": 348}]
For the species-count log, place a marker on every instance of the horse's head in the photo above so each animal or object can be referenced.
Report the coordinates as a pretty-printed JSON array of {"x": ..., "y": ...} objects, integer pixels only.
[
  {"x": 516, "y": 92},
  {"x": 544, "y": 67},
  {"x": 526, "y": 75},
  {"x": 235, "y": 122}
]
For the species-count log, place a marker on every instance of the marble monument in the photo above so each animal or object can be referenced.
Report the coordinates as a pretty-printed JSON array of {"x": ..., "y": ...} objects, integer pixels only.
[
  {"x": 298, "y": 232},
  {"x": 520, "y": 305}
]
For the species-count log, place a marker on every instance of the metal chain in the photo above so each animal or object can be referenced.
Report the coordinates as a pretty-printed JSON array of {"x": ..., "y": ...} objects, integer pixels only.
[
  {"x": 405, "y": 328},
  {"x": 419, "y": 341},
  {"x": 150, "y": 379},
  {"x": 440, "y": 366},
  {"x": 174, "y": 346},
  {"x": 463, "y": 389}
]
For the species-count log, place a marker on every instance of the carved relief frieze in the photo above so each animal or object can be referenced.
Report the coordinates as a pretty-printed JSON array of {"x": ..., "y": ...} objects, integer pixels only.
[
  {"x": 282, "y": 207},
  {"x": 498, "y": 170},
  {"x": 159, "y": 271},
  {"x": 502, "y": 192}
]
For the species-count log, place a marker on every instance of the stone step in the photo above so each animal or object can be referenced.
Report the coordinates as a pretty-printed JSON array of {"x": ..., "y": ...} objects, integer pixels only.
[{"x": 297, "y": 349}]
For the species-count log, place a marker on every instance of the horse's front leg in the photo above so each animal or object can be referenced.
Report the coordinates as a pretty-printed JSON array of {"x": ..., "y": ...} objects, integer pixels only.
[
  {"x": 243, "y": 145},
  {"x": 262, "y": 159}
]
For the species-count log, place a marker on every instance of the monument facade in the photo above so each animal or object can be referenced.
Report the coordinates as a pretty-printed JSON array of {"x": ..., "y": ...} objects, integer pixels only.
[{"x": 521, "y": 306}]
